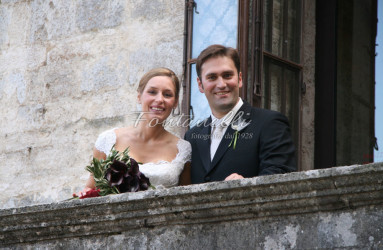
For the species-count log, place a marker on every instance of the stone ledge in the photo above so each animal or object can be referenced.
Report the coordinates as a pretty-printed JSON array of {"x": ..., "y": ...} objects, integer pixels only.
[{"x": 351, "y": 188}]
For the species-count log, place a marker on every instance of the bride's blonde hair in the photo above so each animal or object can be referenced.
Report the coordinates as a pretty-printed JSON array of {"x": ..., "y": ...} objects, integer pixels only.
[{"x": 159, "y": 72}]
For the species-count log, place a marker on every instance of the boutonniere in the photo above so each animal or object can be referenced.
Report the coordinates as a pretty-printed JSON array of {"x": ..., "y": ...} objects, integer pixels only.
[{"x": 237, "y": 126}]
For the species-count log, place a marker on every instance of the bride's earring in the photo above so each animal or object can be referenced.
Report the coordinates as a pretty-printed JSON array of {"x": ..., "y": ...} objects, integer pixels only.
[
  {"x": 176, "y": 111},
  {"x": 138, "y": 107}
]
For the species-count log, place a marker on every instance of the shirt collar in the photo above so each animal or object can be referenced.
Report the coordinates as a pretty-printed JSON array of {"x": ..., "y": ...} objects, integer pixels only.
[{"x": 226, "y": 120}]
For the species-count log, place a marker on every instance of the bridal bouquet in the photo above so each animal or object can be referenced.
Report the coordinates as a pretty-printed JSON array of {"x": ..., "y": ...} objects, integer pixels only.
[{"x": 118, "y": 173}]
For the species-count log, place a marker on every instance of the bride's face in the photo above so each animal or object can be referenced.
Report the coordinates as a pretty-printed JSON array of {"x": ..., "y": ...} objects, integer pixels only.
[{"x": 158, "y": 98}]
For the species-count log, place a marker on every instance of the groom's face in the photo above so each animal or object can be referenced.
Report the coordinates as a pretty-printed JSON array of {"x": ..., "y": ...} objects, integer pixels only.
[{"x": 220, "y": 81}]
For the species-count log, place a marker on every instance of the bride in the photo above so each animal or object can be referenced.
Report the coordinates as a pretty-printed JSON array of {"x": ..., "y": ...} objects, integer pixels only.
[{"x": 165, "y": 157}]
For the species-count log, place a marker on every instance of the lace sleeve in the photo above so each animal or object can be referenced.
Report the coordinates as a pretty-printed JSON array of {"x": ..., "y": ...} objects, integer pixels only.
[
  {"x": 184, "y": 151},
  {"x": 105, "y": 141}
]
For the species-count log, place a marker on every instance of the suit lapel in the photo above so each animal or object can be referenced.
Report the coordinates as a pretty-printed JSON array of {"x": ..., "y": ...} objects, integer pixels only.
[
  {"x": 223, "y": 146},
  {"x": 245, "y": 112},
  {"x": 204, "y": 144}
]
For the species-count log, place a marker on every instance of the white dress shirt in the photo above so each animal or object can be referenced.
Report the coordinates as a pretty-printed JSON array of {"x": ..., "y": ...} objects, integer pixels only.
[{"x": 219, "y": 127}]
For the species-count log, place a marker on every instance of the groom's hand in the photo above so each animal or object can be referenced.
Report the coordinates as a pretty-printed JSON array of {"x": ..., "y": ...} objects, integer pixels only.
[{"x": 234, "y": 176}]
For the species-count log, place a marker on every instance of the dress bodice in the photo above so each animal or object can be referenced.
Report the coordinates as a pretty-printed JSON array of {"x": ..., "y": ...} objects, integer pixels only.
[{"x": 160, "y": 173}]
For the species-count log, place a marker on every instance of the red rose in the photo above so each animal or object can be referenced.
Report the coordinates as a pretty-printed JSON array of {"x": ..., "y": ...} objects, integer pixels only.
[{"x": 90, "y": 193}]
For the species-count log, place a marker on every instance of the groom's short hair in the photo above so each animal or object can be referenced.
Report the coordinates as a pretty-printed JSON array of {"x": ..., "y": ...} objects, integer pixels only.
[{"x": 215, "y": 51}]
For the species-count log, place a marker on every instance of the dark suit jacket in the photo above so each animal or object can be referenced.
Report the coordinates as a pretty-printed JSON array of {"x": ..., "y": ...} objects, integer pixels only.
[{"x": 263, "y": 147}]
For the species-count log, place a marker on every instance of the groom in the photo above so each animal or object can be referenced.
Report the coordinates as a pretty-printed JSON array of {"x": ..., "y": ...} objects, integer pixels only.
[{"x": 237, "y": 141}]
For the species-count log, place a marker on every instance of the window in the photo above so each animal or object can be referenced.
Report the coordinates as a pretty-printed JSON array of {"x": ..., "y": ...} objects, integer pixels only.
[
  {"x": 280, "y": 82},
  {"x": 213, "y": 22},
  {"x": 267, "y": 34}
]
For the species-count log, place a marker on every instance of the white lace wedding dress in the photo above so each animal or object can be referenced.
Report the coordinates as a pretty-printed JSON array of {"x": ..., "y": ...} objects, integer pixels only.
[{"x": 161, "y": 173}]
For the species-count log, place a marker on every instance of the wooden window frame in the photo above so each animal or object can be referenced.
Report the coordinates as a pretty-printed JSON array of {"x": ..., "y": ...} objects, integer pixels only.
[
  {"x": 257, "y": 63},
  {"x": 250, "y": 45},
  {"x": 242, "y": 43}
]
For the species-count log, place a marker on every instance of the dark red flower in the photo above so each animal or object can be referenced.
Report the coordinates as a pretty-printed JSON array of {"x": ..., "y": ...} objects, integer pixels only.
[
  {"x": 116, "y": 173},
  {"x": 90, "y": 193},
  {"x": 126, "y": 178},
  {"x": 134, "y": 169},
  {"x": 144, "y": 182}
]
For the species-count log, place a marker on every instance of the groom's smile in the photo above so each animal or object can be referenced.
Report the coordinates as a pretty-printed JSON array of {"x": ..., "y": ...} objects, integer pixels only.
[
  {"x": 220, "y": 83},
  {"x": 222, "y": 93}
]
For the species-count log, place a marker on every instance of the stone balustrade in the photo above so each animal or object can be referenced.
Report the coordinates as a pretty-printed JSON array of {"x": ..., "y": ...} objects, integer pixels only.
[{"x": 340, "y": 207}]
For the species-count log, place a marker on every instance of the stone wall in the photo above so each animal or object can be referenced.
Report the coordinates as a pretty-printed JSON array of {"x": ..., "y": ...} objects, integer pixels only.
[
  {"x": 337, "y": 208},
  {"x": 307, "y": 105},
  {"x": 68, "y": 71}
]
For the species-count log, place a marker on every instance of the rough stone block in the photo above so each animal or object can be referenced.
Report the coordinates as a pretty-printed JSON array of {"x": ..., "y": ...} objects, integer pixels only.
[
  {"x": 102, "y": 74},
  {"x": 18, "y": 29},
  {"x": 149, "y": 10},
  {"x": 51, "y": 20},
  {"x": 38, "y": 30},
  {"x": 4, "y": 22},
  {"x": 60, "y": 18},
  {"x": 99, "y": 14},
  {"x": 59, "y": 85},
  {"x": 28, "y": 141},
  {"x": 32, "y": 115},
  {"x": 13, "y": 1},
  {"x": 22, "y": 58},
  {"x": 139, "y": 63},
  {"x": 266, "y": 212}
]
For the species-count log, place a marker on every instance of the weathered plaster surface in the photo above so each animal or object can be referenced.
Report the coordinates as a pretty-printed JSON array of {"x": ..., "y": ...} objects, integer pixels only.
[{"x": 68, "y": 71}]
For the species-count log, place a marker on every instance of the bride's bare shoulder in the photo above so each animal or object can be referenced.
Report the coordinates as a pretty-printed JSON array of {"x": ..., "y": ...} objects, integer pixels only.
[
  {"x": 172, "y": 138},
  {"x": 125, "y": 133}
]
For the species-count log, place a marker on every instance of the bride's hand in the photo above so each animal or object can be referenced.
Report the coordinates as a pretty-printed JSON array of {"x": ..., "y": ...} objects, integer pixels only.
[
  {"x": 82, "y": 192},
  {"x": 90, "y": 184}
]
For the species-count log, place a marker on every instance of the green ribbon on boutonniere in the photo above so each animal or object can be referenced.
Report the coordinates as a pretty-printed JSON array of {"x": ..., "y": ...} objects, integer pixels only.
[
  {"x": 237, "y": 125},
  {"x": 234, "y": 139}
]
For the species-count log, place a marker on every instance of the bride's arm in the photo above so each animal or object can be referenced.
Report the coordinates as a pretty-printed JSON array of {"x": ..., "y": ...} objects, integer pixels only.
[
  {"x": 90, "y": 184},
  {"x": 185, "y": 177},
  {"x": 98, "y": 155}
]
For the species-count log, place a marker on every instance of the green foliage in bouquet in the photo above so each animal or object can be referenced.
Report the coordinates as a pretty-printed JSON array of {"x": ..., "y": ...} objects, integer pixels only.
[{"x": 118, "y": 173}]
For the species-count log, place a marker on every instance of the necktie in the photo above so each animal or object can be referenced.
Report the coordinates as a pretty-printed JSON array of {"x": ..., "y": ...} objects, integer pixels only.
[{"x": 216, "y": 137}]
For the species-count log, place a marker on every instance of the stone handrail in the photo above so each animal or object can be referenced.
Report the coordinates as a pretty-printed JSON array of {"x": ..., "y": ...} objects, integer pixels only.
[{"x": 336, "y": 207}]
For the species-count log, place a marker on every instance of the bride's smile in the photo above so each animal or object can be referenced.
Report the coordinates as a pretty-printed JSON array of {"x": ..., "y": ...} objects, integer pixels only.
[{"x": 158, "y": 98}]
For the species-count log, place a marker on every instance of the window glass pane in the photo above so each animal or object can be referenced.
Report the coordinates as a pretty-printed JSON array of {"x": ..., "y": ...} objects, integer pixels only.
[
  {"x": 216, "y": 23},
  {"x": 292, "y": 100},
  {"x": 281, "y": 92},
  {"x": 273, "y": 16},
  {"x": 282, "y": 28},
  {"x": 272, "y": 91},
  {"x": 198, "y": 100},
  {"x": 293, "y": 30}
]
